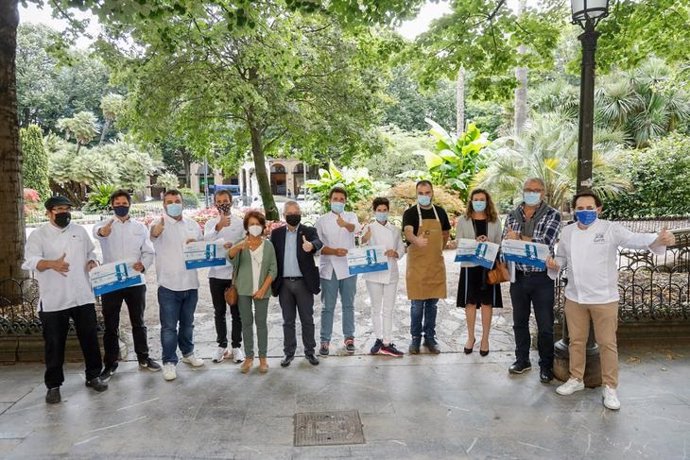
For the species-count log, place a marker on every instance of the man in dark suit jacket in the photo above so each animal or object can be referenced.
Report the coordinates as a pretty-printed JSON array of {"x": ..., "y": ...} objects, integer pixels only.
[{"x": 297, "y": 281}]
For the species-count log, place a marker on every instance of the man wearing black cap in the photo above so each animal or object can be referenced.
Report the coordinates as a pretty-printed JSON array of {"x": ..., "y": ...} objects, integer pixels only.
[{"x": 61, "y": 254}]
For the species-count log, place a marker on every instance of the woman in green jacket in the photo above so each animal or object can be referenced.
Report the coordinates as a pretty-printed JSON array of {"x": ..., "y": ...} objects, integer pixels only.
[{"x": 255, "y": 264}]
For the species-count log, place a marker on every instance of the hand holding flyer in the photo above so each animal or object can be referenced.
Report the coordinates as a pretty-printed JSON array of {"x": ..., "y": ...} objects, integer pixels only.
[
  {"x": 367, "y": 259},
  {"x": 199, "y": 254},
  {"x": 482, "y": 253},
  {"x": 525, "y": 252},
  {"x": 114, "y": 276}
]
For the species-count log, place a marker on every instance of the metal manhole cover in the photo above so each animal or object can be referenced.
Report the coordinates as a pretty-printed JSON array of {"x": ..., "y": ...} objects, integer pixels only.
[{"x": 328, "y": 428}]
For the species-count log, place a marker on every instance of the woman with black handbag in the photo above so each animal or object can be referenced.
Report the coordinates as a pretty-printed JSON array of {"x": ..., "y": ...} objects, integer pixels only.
[{"x": 480, "y": 222}]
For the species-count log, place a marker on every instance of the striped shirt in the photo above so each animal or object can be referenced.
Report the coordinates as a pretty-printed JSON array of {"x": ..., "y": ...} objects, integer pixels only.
[{"x": 545, "y": 232}]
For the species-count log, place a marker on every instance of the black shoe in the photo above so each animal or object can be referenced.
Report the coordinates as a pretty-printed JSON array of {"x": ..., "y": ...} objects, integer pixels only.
[
  {"x": 519, "y": 367},
  {"x": 469, "y": 350},
  {"x": 414, "y": 347},
  {"x": 433, "y": 348},
  {"x": 53, "y": 395},
  {"x": 323, "y": 350},
  {"x": 377, "y": 346},
  {"x": 545, "y": 375},
  {"x": 285, "y": 362},
  {"x": 350, "y": 345},
  {"x": 97, "y": 384},
  {"x": 108, "y": 371},
  {"x": 313, "y": 360},
  {"x": 483, "y": 352},
  {"x": 150, "y": 364}
]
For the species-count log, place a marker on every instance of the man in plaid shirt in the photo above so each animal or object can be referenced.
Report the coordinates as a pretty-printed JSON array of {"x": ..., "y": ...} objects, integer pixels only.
[{"x": 533, "y": 220}]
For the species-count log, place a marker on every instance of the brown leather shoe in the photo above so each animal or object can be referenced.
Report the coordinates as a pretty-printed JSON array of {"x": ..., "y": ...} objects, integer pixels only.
[
  {"x": 263, "y": 365},
  {"x": 247, "y": 365}
]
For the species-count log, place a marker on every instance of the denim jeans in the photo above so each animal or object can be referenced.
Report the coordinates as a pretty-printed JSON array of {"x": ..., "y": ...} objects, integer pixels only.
[
  {"x": 423, "y": 320},
  {"x": 177, "y": 307},
  {"x": 329, "y": 296},
  {"x": 533, "y": 289}
]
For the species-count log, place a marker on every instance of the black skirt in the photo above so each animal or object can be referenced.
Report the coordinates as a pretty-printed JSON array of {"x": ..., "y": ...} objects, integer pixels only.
[{"x": 473, "y": 289}]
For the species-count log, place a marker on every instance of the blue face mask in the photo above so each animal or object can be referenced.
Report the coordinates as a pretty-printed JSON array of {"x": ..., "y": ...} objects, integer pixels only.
[
  {"x": 381, "y": 216},
  {"x": 479, "y": 206},
  {"x": 337, "y": 207},
  {"x": 174, "y": 209},
  {"x": 531, "y": 198},
  {"x": 586, "y": 216},
  {"x": 424, "y": 200}
]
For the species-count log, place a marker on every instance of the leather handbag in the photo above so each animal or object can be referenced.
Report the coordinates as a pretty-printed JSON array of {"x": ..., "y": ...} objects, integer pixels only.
[
  {"x": 231, "y": 295},
  {"x": 498, "y": 274}
]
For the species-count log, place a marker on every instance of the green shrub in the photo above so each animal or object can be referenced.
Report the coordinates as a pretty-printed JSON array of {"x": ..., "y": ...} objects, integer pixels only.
[
  {"x": 191, "y": 199},
  {"x": 659, "y": 176},
  {"x": 99, "y": 198}
]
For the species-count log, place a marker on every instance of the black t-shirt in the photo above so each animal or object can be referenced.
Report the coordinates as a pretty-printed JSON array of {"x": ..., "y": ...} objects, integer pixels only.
[{"x": 411, "y": 217}]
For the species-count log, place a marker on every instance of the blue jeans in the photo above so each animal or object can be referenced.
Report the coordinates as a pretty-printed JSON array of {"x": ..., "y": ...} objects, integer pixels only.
[
  {"x": 329, "y": 297},
  {"x": 423, "y": 310},
  {"x": 534, "y": 289},
  {"x": 177, "y": 307}
]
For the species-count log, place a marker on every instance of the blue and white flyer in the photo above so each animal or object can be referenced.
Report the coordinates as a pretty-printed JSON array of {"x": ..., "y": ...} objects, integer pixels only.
[
  {"x": 479, "y": 253},
  {"x": 525, "y": 252},
  {"x": 114, "y": 276},
  {"x": 199, "y": 254},
  {"x": 366, "y": 259}
]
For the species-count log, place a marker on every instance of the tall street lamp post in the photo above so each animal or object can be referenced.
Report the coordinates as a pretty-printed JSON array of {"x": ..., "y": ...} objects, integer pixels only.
[{"x": 586, "y": 13}]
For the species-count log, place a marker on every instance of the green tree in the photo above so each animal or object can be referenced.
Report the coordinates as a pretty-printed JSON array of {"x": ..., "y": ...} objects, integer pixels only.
[
  {"x": 296, "y": 84},
  {"x": 400, "y": 155},
  {"x": 547, "y": 149},
  {"x": 112, "y": 106},
  {"x": 83, "y": 127},
  {"x": 35, "y": 164}
]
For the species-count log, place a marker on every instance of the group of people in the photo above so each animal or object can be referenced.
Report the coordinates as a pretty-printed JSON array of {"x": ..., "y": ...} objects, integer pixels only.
[{"x": 283, "y": 264}]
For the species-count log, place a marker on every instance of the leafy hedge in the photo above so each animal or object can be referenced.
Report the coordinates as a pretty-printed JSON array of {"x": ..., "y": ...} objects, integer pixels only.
[{"x": 659, "y": 175}]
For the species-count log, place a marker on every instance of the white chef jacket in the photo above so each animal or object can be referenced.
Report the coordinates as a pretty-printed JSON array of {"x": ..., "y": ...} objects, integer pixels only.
[
  {"x": 169, "y": 246},
  {"x": 591, "y": 255},
  {"x": 128, "y": 240},
  {"x": 334, "y": 236},
  {"x": 49, "y": 242},
  {"x": 231, "y": 234},
  {"x": 388, "y": 236}
]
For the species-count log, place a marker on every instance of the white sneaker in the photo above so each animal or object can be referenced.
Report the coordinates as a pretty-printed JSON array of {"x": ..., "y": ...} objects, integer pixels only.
[
  {"x": 169, "y": 371},
  {"x": 570, "y": 387},
  {"x": 193, "y": 360},
  {"x": 219, "y": 355},
  {"x": 237, "y": 355},
  {"x": 610, "y": 398}
]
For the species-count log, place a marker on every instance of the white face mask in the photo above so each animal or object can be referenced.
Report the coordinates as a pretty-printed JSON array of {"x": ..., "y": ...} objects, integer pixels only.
[{"x": 255, "y": 230}]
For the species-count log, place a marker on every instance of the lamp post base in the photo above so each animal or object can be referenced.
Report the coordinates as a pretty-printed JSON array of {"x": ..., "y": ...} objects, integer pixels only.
[{"x": 561, "y": 364}]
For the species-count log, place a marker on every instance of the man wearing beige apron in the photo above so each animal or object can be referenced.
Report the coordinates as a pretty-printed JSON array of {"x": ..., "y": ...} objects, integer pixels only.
[{"x": 427, "y": 228}]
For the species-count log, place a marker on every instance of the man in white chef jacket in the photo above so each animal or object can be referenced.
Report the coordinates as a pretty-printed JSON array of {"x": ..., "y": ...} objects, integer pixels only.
[
  {"x": 61, "y": 254},
  {"x": 588, "y": 248}
]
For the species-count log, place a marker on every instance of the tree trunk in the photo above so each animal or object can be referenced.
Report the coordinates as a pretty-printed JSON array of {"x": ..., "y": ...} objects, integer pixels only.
[
  {"x": 187, "y": 165},
  {"x": 106, "y": 127},
  {"x": 460, "y": 102},
  {"x": 11, "y": 196},
  {"x": 521, "y": 89},
  {"x": 270, "y": 208}
]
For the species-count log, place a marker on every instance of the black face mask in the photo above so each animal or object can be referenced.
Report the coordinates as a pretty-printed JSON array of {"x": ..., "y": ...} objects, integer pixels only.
[
  {"x": 293, "y": 220},
  {"x": 121, "y": 211},
  {"x": 62, "y": 219}
]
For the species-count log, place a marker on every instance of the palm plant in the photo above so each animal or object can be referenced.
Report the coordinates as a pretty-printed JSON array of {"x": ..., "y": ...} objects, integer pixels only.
[
  {"x": 83, "y": 127},
  {"x": 547, "y": 149},
  {"x": 646, "y": 103}
]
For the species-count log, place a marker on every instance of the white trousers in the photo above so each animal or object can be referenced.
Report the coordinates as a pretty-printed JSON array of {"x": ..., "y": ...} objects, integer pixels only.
[{"x": 382, "y": 302}]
